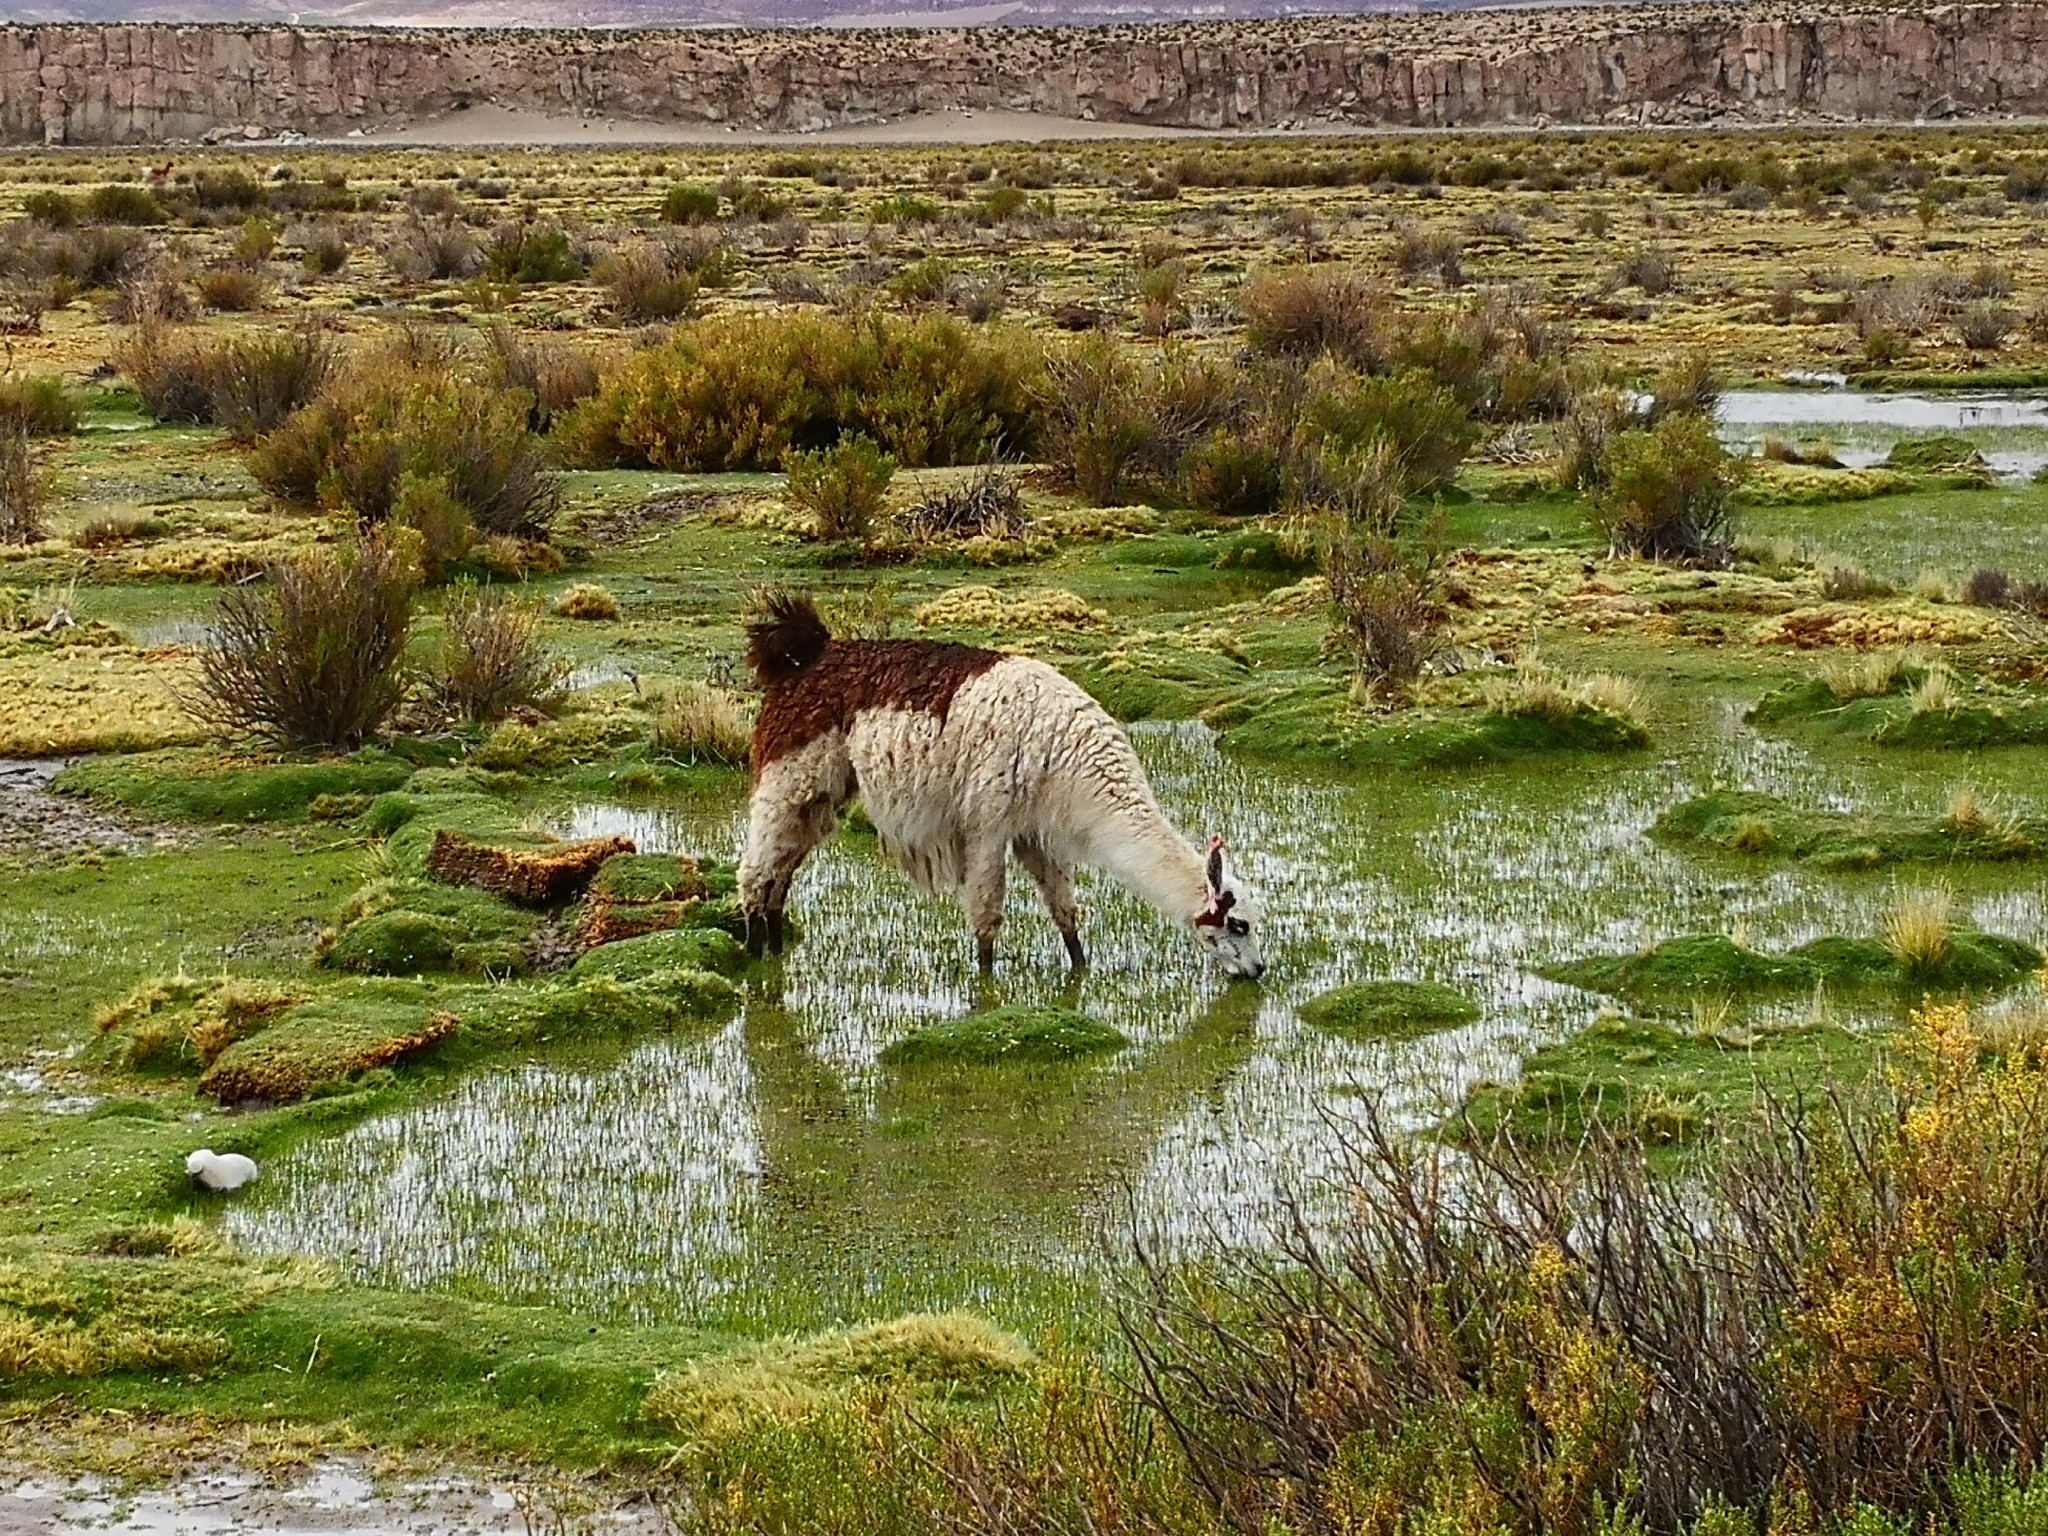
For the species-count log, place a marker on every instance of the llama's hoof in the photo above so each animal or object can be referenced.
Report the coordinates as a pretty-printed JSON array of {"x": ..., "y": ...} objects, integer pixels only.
[
  {"x": 775, "y": 933},
  {"x": 757, "y": 934},
  {"x": 985, "y": 955},
  {"x": 1075, "y": 951}
]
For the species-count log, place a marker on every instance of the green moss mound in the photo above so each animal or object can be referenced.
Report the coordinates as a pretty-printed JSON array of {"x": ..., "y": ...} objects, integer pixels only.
[
  {"x": 1969, "y": 729},
  {"x": 926, "y": 1359},
  {"x": 1759, "y": 825},
  {"x": 647, "y": 877},
  {"x": 598, "y": 1006},
  {"x": 185, "y": 784},
  {"x": 1399, "y": 1009},
  {"x": 1715, "y": 965},
  {"x": 1659, "y": 1085},
  {"x": 1318, "y": 724},
  {"x": 1004, "y": 1035},
  {"x": 687, "y": 949},
  {"x": 402, "y": 942},
  {"x": 1940, "y": 451}
]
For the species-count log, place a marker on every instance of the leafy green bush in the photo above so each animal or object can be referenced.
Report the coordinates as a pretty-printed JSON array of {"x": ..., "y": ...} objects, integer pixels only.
[
  {"x": 841, "y": 487},
  {"x": 1419, "y": 419},
  {"x": 742, "y": 391},
  {"x": 355, "y": 445},
  {"x": 686, "y": 204},
  {"x": 41, "y": 405},
  {"x": 1665, "y": 493},
  {"x": 118, "y": 203}
]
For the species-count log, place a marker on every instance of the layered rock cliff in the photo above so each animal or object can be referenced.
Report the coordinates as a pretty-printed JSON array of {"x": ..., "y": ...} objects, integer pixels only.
[{"x": 140, "y": 83}]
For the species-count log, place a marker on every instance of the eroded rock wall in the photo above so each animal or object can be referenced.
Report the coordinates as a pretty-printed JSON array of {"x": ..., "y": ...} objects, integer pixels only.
[{"x": 127, "y": 84}]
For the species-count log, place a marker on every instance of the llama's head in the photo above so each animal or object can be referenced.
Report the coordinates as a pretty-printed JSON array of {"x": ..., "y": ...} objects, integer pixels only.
[{"x": 1229, "y": 924}]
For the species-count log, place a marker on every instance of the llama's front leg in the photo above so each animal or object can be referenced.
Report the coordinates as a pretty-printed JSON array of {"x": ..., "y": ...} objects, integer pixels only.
[
  {"x": 1055, "y": 884},
  {"x": 982, "y": 895},
  {"x": 780, "y": 836}
]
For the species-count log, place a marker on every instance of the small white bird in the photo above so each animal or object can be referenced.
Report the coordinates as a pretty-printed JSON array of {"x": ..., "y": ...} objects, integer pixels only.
[{"x": 220, "y": 1171}]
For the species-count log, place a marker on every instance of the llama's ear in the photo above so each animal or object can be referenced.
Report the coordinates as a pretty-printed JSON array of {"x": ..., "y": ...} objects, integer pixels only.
[{"x": 1218, "y": 872}]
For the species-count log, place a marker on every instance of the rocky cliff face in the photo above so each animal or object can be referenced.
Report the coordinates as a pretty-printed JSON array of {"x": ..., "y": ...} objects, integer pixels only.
[{"x": 128, "y": 84}]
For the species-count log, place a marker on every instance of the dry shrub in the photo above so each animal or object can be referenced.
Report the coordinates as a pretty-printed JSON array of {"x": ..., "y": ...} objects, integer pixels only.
[
  {"x": 1316, "y": 311},
  {"x": 1650, "y": 268},
  {"x": 555, "y": 374},
  {"x": 155, "y": 294},
  {"x": 987, "y": 505},
  {"x": 586, "y": 600},
  {"x": 412, "y": 414},
  {"x": 1984, "y": 326},
  {"x": 1424, "y": 424},
  {"x": 491, "y": 658},
  {"x": 1593, "y": 418},
  {"x": 649, "y": 282},
  {"x": 699, "y": 723},
  {"x": 248, "y": 384},
  {"x": 1834, "y": 1317},
  {"x": 1385, "y": 585},
  {"x": 1535, "y": 692},
  {"x": 232, "y": 290},
  {"x": 312, "y": 657},
  {"x": 24, "y": 490},
  {"x": 433, "y": 249},
  {"x": 1418, "y": 251}
]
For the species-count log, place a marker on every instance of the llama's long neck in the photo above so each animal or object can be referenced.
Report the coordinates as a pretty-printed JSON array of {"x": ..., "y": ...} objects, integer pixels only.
[{"x": 1147, "y": 854}]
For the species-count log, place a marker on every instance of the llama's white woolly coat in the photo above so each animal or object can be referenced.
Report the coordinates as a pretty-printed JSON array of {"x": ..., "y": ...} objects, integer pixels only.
[
  {"x": 964, "y": 759},
  {"x": 1022, "y": 756}
]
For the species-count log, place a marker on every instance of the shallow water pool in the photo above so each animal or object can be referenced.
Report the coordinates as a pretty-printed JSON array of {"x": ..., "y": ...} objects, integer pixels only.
[{"x": 772, "y": 1174}]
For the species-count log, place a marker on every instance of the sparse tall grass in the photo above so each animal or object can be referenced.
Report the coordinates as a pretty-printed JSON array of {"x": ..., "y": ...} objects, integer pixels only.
[
  {"x": 1936, "y": 693},
  {"x": 1919, "y": 927},
  {"x": 1534, "y": 691},
  {"x": 700, "y": 723},
  {"x": 492, "y": 660},
  {"x": 1870, "y": 676}
]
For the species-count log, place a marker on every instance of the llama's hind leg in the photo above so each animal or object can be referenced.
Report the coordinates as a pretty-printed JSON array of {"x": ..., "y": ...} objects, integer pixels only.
[
  {"x": 981, "y": 893},
  {"x": 1055, "y": 884},
  {"x": 780, "y": 836}
]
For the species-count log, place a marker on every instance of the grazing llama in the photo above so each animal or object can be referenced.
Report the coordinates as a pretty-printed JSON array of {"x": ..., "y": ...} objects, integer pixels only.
[{"x": 963, "y": 757}]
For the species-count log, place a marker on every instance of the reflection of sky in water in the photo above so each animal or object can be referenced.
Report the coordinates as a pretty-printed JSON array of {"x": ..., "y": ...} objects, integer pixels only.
[
  {"x": 698, "y": 1176},
  {"x": 2010, "y": 431}
]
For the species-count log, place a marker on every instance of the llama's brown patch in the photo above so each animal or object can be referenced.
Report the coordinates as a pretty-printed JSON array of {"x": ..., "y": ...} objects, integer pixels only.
[
  {"x": 853, "y": 675},
  {"x": 532, "y": 877}
]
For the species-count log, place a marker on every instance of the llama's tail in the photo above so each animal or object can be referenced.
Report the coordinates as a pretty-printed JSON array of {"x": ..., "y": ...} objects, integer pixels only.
[{"x": 786, "y": 639}]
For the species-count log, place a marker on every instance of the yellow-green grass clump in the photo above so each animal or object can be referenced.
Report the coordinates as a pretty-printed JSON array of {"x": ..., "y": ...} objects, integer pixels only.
[
  {"x": 924, "y": 1359},
  {"x": 586, "y": 600}
]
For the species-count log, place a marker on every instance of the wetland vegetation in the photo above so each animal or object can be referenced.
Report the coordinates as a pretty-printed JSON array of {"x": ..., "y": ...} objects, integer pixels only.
[{"x": 1634, "y": 729}]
